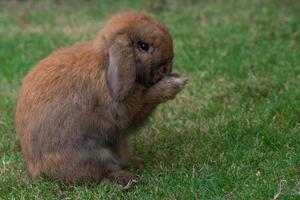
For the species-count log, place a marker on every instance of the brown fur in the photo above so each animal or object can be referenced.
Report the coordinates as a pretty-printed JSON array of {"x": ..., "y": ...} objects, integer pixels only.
[{"x": 74, "y": 117}]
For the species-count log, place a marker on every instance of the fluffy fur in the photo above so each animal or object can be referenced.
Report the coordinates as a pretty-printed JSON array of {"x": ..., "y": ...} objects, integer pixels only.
[{"x": 77, "y": 108}]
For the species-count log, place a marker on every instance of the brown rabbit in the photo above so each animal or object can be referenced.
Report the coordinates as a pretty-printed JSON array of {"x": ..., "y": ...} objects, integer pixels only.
[{"x": 78, "y": 107}]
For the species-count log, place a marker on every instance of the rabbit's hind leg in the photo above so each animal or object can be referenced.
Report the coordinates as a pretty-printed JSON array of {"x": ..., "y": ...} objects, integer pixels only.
[
  {"x": 81, "y": 165},
  {"x": 84, "y": 173}
]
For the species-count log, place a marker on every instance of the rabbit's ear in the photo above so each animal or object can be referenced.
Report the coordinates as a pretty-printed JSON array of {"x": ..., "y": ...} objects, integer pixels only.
[{"x": 121, "y": 71}]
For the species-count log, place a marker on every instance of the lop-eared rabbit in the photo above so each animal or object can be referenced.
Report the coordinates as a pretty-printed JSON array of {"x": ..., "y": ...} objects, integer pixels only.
[{"x": 78, "y": 107}]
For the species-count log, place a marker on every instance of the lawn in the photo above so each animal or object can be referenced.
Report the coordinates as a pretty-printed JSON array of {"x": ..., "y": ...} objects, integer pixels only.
[{"x": 233, "y": 133}]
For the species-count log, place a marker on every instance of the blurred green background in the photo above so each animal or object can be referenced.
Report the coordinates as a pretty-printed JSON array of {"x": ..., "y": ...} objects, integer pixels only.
[{"x": 233, "y": 133}]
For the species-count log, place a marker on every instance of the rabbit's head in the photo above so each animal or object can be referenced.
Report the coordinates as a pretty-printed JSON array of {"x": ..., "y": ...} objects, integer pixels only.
[{"x": 139, "y": 50}]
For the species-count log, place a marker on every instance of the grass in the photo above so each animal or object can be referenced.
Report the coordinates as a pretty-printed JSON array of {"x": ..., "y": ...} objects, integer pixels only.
[{"x": 234, "y": 133}]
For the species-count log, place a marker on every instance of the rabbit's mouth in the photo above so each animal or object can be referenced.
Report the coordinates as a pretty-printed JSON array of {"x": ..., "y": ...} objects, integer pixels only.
[
  {"x": 159, "y": 72},
  {"x": 145, "y": 80},
  {"x": 144, "y": 75},
  {"x": 150, "y": 77}
]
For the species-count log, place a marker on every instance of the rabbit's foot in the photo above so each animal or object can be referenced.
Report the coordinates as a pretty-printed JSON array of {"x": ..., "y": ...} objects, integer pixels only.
[
  {"x": 166, "y": 89},
  {"x": 123, "y": 178},
  {"x": 173, "y": 84}
]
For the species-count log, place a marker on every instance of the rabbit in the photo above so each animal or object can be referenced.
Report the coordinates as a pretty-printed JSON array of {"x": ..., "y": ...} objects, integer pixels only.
[{"x": 78, "y": 107}]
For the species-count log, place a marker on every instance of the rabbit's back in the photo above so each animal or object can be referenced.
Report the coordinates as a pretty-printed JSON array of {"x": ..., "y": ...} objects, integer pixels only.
[
  {"x": 56, "y": 77},
  {"x": 54, "y": 92}
]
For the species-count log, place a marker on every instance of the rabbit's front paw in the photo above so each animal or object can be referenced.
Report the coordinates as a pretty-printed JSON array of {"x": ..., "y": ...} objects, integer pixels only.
[
  {"x": 171, "y": 85},
  {"x": 165, "y": 89}
]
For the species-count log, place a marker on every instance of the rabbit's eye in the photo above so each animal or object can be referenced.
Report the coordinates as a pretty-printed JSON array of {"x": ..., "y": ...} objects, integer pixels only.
[{"x": 143, "y": 46}]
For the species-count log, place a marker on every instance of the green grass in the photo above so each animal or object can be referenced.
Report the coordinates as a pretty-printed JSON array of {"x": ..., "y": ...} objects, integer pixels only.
[{"x": 234, "y": 133}]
